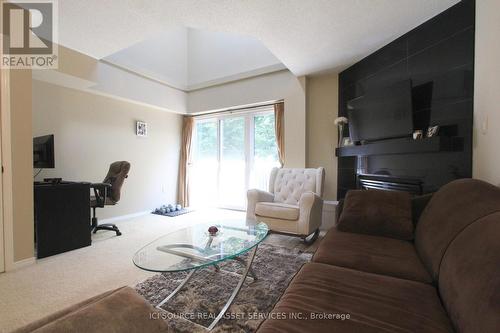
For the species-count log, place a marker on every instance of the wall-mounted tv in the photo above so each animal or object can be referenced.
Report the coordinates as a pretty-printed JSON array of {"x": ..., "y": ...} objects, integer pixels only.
[
  {"x": 382, "y": 113},
  {"x": 43, "y": 152}
]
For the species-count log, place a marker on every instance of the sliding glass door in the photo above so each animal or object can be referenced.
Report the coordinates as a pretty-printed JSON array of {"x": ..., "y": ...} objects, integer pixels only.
[
  {"x": 232, "y": 154},
  {"x": 232, "y": 165},
  {"x": 264, "y": 152},
  {"x": 204, "y": 170}
]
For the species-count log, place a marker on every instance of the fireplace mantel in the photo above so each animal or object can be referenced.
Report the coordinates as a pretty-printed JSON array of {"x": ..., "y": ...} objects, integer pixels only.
[{"x": 403, "y": 146}]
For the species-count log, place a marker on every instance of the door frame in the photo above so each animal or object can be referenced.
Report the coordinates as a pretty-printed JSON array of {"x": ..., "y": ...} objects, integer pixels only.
[{"x": 6, "y": 203}]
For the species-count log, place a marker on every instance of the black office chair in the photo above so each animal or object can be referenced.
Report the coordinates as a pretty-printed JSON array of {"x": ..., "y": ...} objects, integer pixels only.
[{"x": 108, "y": 193}]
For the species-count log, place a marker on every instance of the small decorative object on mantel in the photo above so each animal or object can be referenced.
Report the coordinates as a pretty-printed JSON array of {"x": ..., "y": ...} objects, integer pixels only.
[
  {"x": 432, "y": 131},
  {"x": 418, "y": 134},
  {"x": 141, "y": 128},
  {"x": 340, "y": 122},
  {"x": 346, "y": 142}
]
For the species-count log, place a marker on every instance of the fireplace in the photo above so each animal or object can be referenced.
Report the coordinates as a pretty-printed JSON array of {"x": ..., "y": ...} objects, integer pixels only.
[
  {"x": 438, "y": 58},
  {"x": 390, "y": 183}
]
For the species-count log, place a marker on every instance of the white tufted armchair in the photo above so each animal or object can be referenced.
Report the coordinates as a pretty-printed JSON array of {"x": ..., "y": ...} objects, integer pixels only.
[{"x": 293, "y": 204}]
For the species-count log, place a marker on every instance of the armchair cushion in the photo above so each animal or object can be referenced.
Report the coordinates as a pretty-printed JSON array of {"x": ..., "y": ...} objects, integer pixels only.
[
  {"x": 377, "y": 213},
  {"x": 277, "y": 210}
]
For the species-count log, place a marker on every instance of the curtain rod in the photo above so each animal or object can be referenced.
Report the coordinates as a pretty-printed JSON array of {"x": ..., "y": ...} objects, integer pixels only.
[{"x": 236, "y": 109}]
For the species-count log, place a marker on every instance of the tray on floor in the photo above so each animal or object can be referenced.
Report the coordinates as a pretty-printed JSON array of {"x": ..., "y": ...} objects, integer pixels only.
[{"x": 176, "y": 213}]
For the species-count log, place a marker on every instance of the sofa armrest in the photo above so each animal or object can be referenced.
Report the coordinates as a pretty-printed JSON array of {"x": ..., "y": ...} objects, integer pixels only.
[
  {"x": 377, "y": 213},
  {"x": 253, "y": 197},
  {"x": 338, "y": 212},
  {"x": 418, "y": 205},
  {"x": 120, "y": 310},
  {"x": 311, "y": 211}
]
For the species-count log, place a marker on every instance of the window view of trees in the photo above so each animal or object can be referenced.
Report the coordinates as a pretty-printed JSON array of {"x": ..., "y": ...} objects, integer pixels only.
[
  {"x": 206, "y": 143},
  {"x": 222, "y": 172},
  {"x": 233, "y": 138},
  {"x": 265, "y": 139}
]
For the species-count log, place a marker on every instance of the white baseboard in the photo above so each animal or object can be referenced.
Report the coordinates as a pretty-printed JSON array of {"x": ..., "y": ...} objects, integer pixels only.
[
  {"x": 23, "y": 263},
  {"x": 123, "y": 217}
]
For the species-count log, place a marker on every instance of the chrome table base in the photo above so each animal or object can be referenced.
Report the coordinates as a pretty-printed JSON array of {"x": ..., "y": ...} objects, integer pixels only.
[{"x": 248, "y": 270}]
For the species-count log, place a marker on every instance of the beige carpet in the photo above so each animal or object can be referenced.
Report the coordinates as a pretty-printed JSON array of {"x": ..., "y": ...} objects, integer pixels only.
[{"x": 54, "y": 283}]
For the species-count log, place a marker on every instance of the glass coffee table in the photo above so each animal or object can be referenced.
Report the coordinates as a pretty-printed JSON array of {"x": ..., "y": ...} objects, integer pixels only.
[{"x": 192, "y": 248}]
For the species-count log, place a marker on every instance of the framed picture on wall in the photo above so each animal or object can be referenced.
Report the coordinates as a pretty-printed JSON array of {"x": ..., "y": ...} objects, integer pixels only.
[{"x": 141, "y": 128}]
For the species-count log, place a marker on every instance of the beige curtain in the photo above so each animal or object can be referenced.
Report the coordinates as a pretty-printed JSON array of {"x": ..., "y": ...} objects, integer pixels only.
[
  {"x": 185, "y": 161},
  {"x": 279, "y": 124}
]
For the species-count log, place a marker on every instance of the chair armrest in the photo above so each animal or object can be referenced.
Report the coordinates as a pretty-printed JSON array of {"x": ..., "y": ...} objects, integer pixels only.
[
  {"x": 254, "y": 196},
  {"x": 311, "y": 211},
  {"x": 100, "y": 192},
  {"x": 100, "y": 185}
]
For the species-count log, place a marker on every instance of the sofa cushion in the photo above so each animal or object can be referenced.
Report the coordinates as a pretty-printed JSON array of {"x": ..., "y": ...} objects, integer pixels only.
[
  {"x": 377, "y": 213},
  {"x": 373, "y": 302},
  {"x": 372, "y": 254},
  {"x": 454, "y": 207},
  {"x": 469, "y": 278},
  {"x": 277, "y": 210},
  {"x": 120, "y": 310}
]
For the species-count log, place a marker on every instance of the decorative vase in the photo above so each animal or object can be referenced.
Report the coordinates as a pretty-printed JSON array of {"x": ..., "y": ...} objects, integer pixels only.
[{"x": 340, "y": 122}]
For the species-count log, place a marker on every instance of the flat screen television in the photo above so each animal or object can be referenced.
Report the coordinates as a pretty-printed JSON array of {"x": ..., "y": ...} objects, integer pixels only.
[
  {"x": 43, "y": 152},
  {"x": 382, "y": 113}
]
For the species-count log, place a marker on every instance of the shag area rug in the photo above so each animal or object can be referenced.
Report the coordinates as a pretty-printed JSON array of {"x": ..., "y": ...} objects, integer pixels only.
[{"x": 206, "y": 293}]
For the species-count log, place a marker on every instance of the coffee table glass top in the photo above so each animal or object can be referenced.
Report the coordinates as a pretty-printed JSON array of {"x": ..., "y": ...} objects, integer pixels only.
[{"x": 193, "y": 247}]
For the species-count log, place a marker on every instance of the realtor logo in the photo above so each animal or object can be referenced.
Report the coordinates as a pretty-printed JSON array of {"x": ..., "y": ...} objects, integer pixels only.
[{"x": 29, "y": 34}]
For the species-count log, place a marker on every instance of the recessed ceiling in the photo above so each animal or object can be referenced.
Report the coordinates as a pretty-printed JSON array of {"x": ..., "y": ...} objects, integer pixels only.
[
  {"x": 188, "y": 59},
  {"x": 307, "y": 36}
]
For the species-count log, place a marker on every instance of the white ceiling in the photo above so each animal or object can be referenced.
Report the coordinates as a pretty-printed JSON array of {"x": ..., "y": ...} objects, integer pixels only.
[
  {"x": 308, "y": 36},
  {"x": 188, "y": 58}
]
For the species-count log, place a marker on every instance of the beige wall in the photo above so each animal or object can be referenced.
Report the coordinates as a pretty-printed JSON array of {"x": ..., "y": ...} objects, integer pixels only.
[
  {"x": 486, "y": 156},
  {"x": 92, "y": 131},
  {"x": 21, "y": 164},
  {"x": 322, "y": 106}
]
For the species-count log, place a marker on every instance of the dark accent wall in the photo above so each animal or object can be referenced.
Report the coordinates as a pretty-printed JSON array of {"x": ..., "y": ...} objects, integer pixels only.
[{"x": 438, "y": 58}]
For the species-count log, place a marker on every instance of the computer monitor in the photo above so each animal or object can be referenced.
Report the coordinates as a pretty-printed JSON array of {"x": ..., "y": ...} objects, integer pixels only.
[{"x": 43, "y": 152}]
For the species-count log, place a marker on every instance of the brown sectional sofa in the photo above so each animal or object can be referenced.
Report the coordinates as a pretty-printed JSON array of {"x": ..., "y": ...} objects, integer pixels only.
[
  {"x": 119, "y": 310},
  {"x": 446, "y": 280}
]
